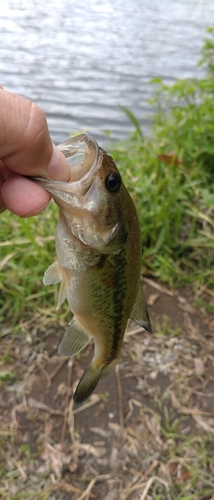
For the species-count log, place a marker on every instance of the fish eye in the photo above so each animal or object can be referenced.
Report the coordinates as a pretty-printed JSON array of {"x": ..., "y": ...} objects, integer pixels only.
[{"x": 113, "y": 182}]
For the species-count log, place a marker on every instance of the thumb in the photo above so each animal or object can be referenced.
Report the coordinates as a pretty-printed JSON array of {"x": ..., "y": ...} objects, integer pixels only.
[{"x": 25, "y": 144}]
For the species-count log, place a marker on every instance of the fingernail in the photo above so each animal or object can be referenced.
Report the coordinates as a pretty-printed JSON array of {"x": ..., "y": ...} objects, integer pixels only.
[
  {"x": 36, "y": 211},
  {"x": 58, "y": 168}
]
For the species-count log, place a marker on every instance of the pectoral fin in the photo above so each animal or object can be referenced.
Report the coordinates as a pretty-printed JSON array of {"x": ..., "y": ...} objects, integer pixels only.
[
  {"x": 74, "y": 341},
  {"x": 53, "y": 274},
  {"x": 56, "y": 274},
  {"x": 63, "y": 290},
  {"x": 139, "y": 312}
]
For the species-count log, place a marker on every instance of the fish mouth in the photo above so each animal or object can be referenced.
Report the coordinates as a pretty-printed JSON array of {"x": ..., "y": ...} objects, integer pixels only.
[
  {"x": 82, "y": 154},
  {"x": 84, "y": 157}
]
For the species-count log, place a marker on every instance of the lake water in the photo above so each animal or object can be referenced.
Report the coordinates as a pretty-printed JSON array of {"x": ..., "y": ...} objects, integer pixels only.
[{"x": 80, "y": 60}]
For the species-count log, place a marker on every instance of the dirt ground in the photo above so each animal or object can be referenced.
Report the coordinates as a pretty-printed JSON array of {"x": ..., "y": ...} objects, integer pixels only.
[{"x": 147, "y": 431}]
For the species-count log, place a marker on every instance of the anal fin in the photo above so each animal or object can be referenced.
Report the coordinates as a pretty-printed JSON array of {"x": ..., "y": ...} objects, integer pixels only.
[
  {"x": 139, "y": 312},
  {"x": 75, "y": 339}
]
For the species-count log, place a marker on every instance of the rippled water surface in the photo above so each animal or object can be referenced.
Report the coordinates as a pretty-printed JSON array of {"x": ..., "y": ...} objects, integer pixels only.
[{"x": 80, "y": 60}]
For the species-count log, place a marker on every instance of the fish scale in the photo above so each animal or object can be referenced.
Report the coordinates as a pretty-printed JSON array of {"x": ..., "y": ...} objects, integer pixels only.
[{"x": 98, "y": 258}]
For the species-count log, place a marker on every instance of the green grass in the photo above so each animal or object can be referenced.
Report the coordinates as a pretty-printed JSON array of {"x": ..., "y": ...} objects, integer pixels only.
[
  {"x": 170, "y": 177},
  {"x": 27, "y": 248},
  {"x": 175, "y": 206}
]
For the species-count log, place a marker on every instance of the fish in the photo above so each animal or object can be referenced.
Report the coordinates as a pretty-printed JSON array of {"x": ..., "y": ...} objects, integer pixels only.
[{"x": 98, "y": 266}]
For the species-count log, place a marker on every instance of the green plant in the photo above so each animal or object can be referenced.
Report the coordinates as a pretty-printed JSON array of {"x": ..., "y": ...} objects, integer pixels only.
[{"x": 169, "y": 175}]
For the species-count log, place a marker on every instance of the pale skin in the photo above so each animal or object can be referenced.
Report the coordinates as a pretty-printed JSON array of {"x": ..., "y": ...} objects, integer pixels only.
[{"x": 26, "y": 149}]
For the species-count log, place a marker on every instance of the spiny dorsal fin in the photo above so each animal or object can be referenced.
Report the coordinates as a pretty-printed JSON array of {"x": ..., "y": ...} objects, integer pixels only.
[
  {"x": 139, "y": 312},
  {"x": 87, "y": 383},
  {"x": 53, "y": 274},
  {"x": 74, "y": 341}
]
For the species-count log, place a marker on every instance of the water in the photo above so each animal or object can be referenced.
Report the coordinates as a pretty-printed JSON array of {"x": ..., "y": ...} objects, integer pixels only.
[{"x": 80, "y": 60}]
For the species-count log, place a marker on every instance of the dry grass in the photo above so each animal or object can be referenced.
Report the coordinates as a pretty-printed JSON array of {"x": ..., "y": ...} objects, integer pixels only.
[{"x": 148, "y": 433}]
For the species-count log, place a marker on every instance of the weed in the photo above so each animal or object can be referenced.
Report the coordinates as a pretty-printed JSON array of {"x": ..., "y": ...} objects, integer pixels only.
[
  {"x": 6, "y": 375},
  {"x": 169, "y": 175}
]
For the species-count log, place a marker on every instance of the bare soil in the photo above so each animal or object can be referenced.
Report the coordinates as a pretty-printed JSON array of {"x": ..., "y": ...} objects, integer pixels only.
[{"x": 146, "y": 433}]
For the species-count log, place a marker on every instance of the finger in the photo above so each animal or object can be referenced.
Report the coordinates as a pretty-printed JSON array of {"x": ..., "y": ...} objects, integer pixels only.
[
  {"x": 5, "y": 173},
  {"x": 25, "y": 143},
  {"x": 23, "y": 197},
  {"x": 2, "y": 205}
]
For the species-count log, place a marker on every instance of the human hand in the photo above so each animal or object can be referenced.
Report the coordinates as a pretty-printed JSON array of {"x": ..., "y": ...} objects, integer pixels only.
[{"x": 26, "y": 149}]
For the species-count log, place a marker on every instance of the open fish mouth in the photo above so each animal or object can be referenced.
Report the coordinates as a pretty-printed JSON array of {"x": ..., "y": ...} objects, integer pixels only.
[
  {"x": 82, "y": 154},
  {"x": 84, "y": 157}
]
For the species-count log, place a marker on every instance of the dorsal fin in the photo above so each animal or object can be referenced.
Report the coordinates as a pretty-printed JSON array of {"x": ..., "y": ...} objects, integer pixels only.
[
  {"x": 75, "y": 339},
  {"x": 139, "y": 312}
]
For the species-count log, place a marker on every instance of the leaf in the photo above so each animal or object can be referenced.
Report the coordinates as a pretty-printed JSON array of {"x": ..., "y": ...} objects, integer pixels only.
[
  {"x": 199, "y": 367},
  {"x": 157, "y": 79},
  {"x": 6, "y": 375},
  {"x": 133, "y": 119},
  {"x": 170, "y": 158},
  {"x": 152, "y": 299}
]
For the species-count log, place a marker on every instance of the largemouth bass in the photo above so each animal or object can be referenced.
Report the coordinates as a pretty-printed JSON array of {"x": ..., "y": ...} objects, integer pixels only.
[{"x": 98, "y": 258}]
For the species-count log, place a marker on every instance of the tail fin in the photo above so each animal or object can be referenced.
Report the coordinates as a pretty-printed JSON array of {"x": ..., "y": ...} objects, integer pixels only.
[{"x": 87, "y": 383}]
